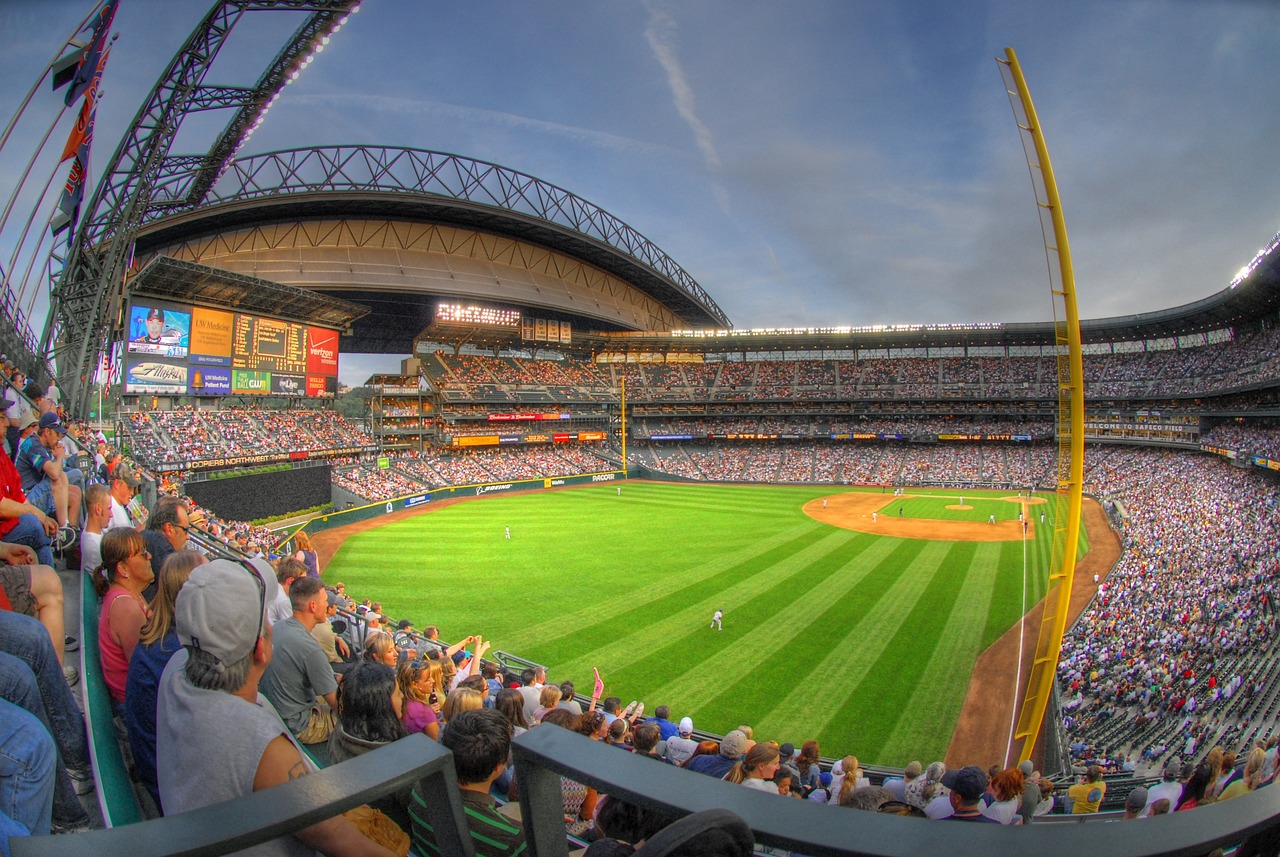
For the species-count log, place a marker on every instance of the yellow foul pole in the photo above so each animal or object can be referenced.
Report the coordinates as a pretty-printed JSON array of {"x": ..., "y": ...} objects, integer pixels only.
[
  {"x": 1040, "y": 686},
  {"x": 624, "y": 428}
]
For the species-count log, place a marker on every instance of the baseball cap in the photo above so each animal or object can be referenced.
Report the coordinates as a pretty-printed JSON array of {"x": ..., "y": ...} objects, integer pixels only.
[
  {"x": 51, "y": 421},
  {"x": 1136, "y": 799},
  {"x": 969, "y": 782},
  {"x": 27, "y": 421},
  {"x": 1172, "y": 770},
  {"x": 686, "y": 725},
  {"x": 221, "y": 609},
  {"x": 127, "y": 475},
  {"x": 734, "y": 744}
]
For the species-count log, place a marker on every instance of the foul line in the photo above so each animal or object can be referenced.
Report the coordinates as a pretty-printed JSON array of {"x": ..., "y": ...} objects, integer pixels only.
[{"x": 1022, "y": 635}]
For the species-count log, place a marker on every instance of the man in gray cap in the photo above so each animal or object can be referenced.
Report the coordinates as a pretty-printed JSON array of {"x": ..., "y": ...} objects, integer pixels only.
[
  {"x": 733, "y": 747},
  {"x": 1168, "y": 788},
  {"x": 1030, "y": 791},
  {"x": 1134, "y": 803},
  {"x": 217, "y": 738}
]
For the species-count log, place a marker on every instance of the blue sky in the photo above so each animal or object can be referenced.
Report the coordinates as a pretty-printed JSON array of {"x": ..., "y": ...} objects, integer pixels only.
[{"x": 808, "y": 163}]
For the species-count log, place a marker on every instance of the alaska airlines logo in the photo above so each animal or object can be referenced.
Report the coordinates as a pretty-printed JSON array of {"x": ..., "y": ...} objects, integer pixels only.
[{"x": 159, "y": 372}]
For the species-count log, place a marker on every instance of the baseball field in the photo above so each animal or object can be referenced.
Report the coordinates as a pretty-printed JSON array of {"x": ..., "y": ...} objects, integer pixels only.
[{"x": 851, "y": 616}]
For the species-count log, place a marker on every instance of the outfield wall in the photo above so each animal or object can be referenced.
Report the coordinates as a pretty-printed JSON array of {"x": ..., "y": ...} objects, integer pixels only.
[{"x": 455, "y": 492}]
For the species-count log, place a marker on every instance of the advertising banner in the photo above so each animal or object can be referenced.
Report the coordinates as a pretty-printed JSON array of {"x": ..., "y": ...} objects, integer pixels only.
[
  {"x": 322, "y": 385},
  {"x": 209, "y": 381},
  {"x": 288, "y": 385},
  {"x": 211, "y": 337},
  {"x": 148, "y": 375},
  {"x": 322, "y": 351},
  {"x": 246, "y": 381}
]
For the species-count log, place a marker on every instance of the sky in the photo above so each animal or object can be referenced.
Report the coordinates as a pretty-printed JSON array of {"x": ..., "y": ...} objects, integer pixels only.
[{"x": 812, "y": 163}]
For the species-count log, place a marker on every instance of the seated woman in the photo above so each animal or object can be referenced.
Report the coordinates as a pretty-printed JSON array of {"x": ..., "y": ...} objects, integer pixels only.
[
  {"x": 548, "y": 699},
  {"x": 380, "y": 647},
  {"x": 756, "y": 769},
  {"x": 369, "y": 710},
  {"x": 119, "y": 581},
  {"x": 158, "y": 643},
  {"x": 416, "y": 686},
  {"x": 1006, "y": 787}
]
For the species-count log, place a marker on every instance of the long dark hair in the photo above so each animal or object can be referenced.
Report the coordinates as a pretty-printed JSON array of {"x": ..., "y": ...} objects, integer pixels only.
[
  {"x": 364, "y": 706},
  {"x": 511, "y": 704},
  {"x": 1194, "y": 788}
]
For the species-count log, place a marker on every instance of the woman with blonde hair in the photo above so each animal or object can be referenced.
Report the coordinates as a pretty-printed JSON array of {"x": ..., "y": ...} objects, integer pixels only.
[
  {"x": 380, "y": 647},
  {"x": 416, "y": 684},
  {"x": 756, "y": 769},
  {"x": 460, "y": 700},
  {"x": 1252, "y": 776},
  {"x": 158, "y": 642},
  {"x": 548, "y": 699},
  {"x": 846, "y": 776},
  {"x": 120, "y": 580}
]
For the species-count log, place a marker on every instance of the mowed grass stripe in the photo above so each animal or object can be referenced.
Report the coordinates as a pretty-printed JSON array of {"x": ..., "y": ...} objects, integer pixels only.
[
  {"x": 609, "y": 605},
  {"x": 711, "y": 661},
  {"x": 893, "y": 676},
  {"x": 637, "y": 614},
  {"x": 758, "y": 615},
  {"x": 850, "y": 634},
  {"x": 922, "y": 728}
]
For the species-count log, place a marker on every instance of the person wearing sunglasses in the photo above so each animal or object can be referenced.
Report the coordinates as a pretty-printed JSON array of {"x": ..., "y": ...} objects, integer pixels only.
[
  {"x": 217, "y": 737},
  {"x": 168, "y": 529}
]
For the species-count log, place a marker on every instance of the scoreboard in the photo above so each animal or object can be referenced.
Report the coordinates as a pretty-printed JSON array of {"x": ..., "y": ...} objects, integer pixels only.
[{"x": 181, "y": 349}]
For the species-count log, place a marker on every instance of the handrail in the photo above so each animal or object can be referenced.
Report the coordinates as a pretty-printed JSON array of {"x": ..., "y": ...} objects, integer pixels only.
[
  {"x": 543, "y": 755},
  {"x": 245, "y": 821}
]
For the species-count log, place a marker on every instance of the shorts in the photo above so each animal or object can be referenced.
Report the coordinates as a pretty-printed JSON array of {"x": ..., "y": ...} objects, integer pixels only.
[
  {"x": 15, "y": 580},
  {"x": 319, "y": 727},
  {"x": 41, "y": 496}
]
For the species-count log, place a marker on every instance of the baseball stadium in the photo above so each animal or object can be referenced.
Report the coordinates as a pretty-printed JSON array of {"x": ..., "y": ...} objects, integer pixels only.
[{"x": 1019, "y": 570}]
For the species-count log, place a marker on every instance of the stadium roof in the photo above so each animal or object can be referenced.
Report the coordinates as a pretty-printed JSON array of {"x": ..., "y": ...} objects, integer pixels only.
[{"x": 188, "y": 282}]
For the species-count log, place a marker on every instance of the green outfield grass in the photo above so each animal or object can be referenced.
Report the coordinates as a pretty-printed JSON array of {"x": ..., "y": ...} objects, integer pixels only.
[{"x": 863, "y": 642}]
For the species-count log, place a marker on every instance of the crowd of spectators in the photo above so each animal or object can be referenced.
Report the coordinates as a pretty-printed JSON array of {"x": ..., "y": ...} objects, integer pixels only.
[
  {"x": 186, "y": 435},
  {"x": 869, "y": 463},
  {"x": 1176, "y": 652},
  {"x": 416, "y": 472},
  {"x": 1195, "y": 368}
]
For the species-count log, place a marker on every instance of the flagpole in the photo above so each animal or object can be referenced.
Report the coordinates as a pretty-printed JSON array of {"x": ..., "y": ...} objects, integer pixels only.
[{"x": 8, "y": 129}]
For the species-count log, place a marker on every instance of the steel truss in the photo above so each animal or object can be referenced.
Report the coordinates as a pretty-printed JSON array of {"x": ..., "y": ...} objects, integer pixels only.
[
  {"x": 418, "y": 172},
  {"x": 88, "y": 279}
]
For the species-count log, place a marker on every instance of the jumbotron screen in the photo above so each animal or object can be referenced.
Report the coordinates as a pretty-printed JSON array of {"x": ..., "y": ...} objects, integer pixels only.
[{"x": 184, "y": 350}]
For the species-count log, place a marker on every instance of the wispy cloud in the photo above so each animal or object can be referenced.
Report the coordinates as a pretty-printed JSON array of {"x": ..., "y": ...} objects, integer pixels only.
[
  {"x": 420, "y": 110},
  {"x": 660, "y": 34}
]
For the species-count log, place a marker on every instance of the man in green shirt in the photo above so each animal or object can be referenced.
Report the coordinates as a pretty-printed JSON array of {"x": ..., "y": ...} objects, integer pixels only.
[{"x": 480, "y": 741}]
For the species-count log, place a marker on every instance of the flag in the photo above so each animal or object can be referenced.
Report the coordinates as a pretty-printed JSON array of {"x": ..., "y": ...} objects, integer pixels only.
[
  {"x": 72, "y": 195},
  {"x": 89, "y": 55},
  {"x": 82, "y": 133}
]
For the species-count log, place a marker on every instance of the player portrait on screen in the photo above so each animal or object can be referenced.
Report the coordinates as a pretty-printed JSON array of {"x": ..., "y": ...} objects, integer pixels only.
[{"x": 157, "y": 331}]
